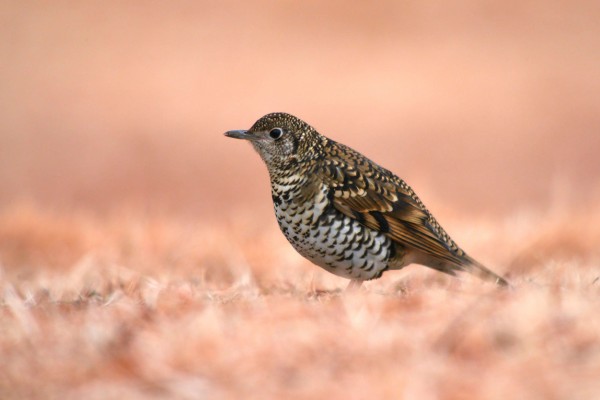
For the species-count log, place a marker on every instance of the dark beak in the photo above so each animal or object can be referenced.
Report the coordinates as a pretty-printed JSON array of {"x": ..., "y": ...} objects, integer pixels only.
[{"x": 240, "y": 135}]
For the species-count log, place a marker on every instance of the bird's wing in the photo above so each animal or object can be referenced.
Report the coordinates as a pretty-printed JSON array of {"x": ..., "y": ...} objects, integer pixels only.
[{"x": 378, "y": 199}]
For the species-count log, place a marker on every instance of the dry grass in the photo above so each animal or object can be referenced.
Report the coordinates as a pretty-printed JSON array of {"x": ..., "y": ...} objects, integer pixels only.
[{"x": 135, "y": 307}]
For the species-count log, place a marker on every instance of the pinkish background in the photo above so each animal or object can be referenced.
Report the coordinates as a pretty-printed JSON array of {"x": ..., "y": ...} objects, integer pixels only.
[{"x": 483, "y": 107}]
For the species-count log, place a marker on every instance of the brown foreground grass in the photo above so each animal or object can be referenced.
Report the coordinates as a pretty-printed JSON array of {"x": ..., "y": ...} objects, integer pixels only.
[{"x": 137, "y": 307}]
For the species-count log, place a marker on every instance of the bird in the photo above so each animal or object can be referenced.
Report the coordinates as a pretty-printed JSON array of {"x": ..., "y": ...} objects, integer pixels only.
[{"x": 344, "y": 212}]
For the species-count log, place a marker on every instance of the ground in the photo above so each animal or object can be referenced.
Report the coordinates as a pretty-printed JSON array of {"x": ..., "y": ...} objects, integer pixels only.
[{"x": 138, "y": 307}]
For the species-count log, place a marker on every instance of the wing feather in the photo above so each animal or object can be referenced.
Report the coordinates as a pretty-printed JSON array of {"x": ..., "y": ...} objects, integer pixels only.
[{"x": 380, "y": 200}]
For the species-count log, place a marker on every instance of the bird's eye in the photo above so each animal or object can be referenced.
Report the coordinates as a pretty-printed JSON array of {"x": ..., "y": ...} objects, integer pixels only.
[{"x": 276, "y": 133}]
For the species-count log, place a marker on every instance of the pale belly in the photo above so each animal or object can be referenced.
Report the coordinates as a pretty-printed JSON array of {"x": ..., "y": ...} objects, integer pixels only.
[{"x": 333, "y": 241}]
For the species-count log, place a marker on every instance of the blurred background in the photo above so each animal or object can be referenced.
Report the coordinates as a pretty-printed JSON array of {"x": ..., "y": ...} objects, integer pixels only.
[{"x": 484, "y": 107}]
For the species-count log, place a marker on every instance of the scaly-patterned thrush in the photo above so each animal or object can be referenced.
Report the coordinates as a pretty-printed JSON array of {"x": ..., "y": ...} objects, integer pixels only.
[{"x": 344, "y": 212}]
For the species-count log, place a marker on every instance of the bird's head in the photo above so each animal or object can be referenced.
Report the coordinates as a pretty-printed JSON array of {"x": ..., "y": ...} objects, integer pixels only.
[{"x": 281, "y": 139}]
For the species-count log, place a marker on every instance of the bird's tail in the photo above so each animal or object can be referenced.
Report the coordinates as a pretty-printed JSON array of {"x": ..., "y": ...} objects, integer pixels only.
[
  {"x": 459, "y": 263},
  {"x": 474, "y": 267}
]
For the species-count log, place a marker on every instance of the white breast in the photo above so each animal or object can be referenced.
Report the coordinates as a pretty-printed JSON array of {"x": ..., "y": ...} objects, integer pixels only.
[{"x": 328, "y": 238}]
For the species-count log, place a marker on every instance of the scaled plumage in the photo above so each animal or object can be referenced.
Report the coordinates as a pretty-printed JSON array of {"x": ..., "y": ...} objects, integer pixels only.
[{"x": 344, "y": 212}]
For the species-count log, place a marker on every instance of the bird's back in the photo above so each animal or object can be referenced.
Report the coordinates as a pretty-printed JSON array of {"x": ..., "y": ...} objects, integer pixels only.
[{"x": 377, "y": 198}]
